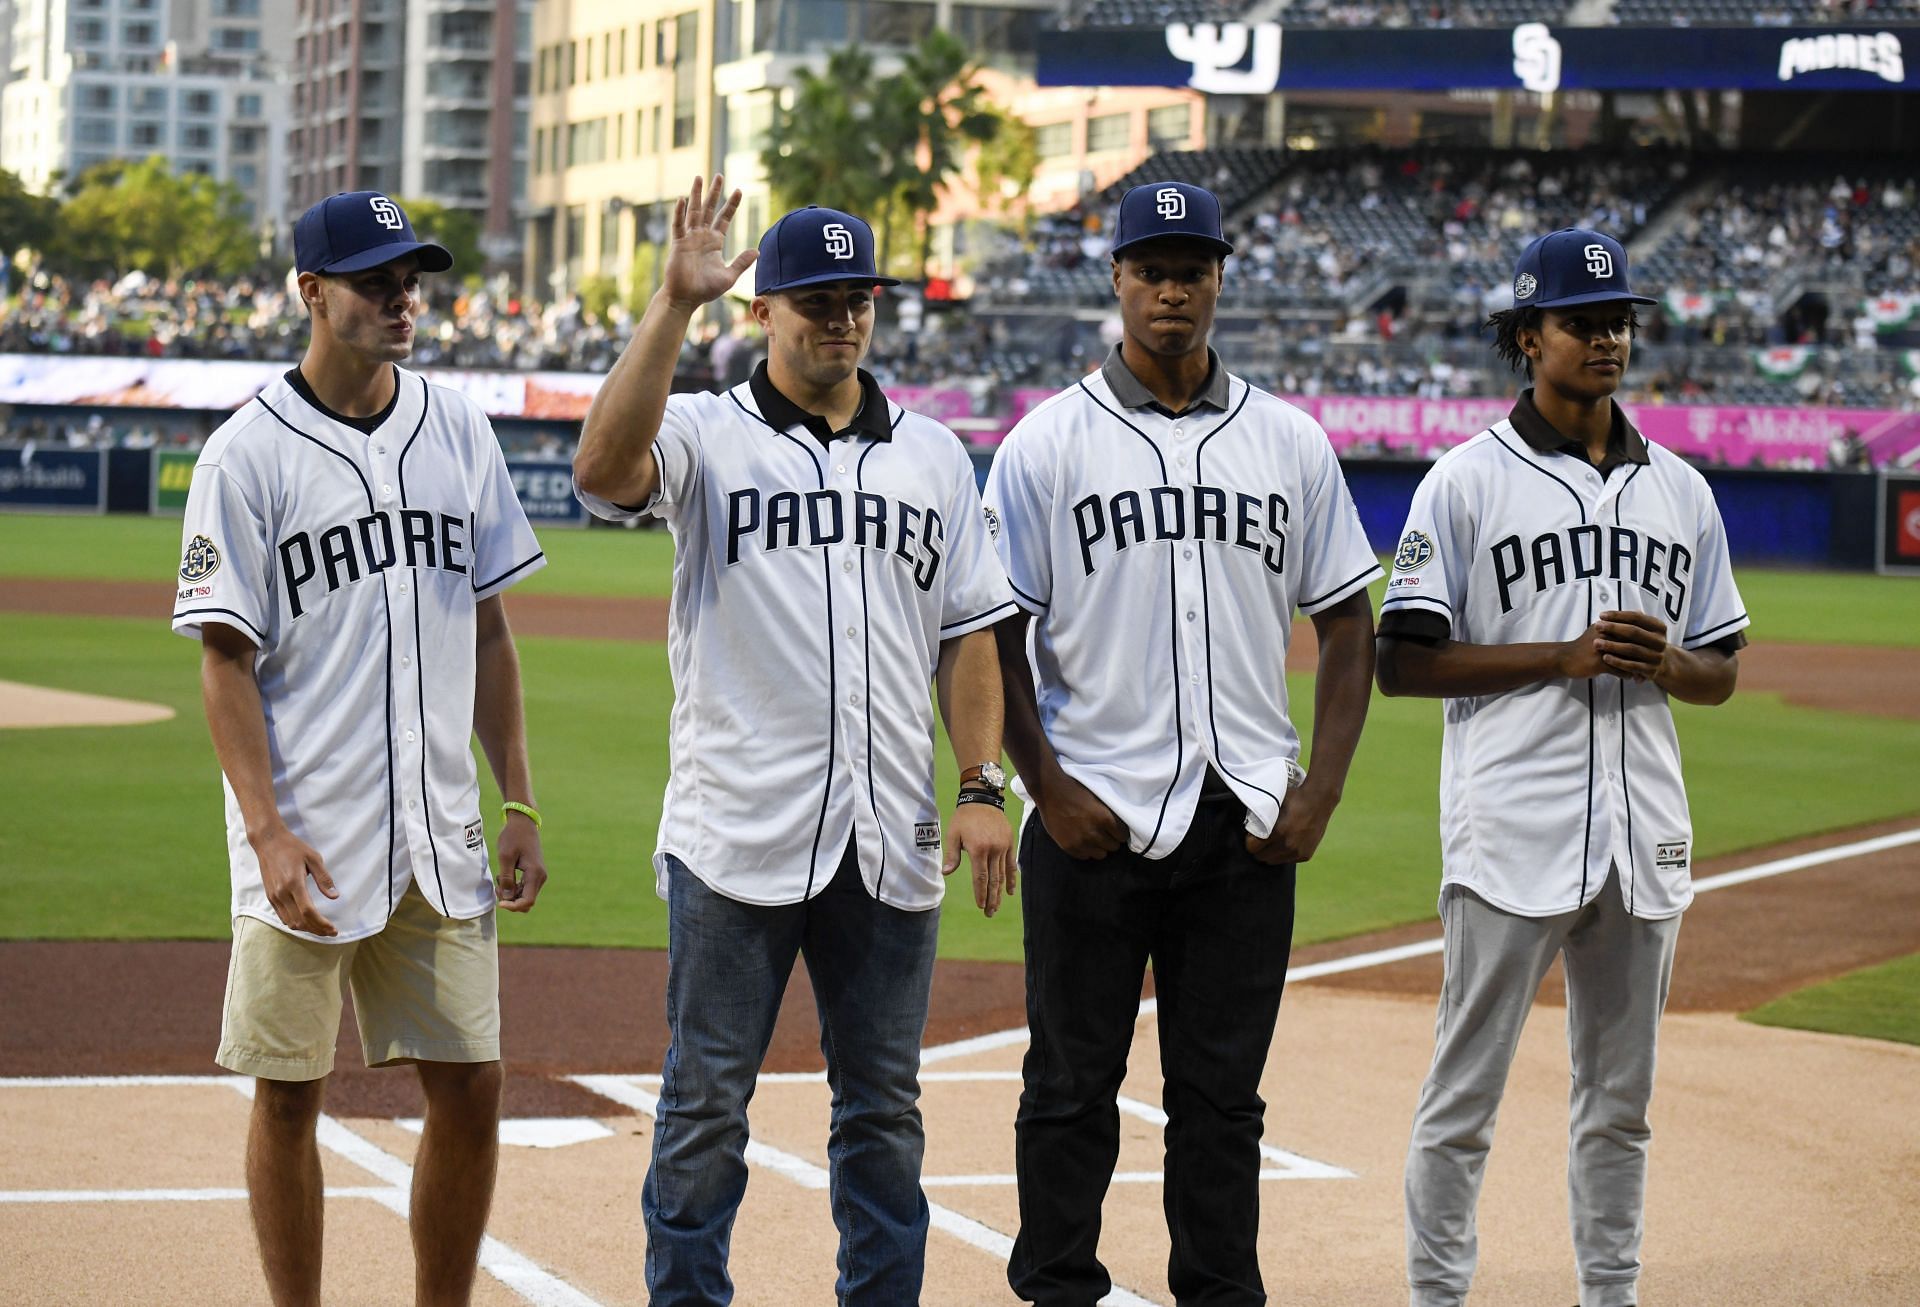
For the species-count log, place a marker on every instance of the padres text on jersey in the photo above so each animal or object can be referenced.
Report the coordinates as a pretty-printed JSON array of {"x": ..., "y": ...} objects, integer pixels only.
[
  {"x": 813, "y": 583},
  {"x": 1165, "y": 556},
  {"x": 354, "y": 563},
  {"x": 1509, "y": 541}
]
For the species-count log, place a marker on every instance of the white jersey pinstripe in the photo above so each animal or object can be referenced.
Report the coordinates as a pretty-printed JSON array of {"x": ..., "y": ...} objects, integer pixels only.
[{"x": 354, "y": 562}]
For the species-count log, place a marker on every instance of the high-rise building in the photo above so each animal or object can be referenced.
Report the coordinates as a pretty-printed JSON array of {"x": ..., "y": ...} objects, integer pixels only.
[
  {"x": 633, "y": 98},
  {"x": 198, "y": 82},
  {"x": 425, "y": 99}
]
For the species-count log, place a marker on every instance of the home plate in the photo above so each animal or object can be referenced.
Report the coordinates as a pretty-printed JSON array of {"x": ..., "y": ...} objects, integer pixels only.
[
  {"x": 537, "y": 1131},
  {"x": 37, "y": 706}
]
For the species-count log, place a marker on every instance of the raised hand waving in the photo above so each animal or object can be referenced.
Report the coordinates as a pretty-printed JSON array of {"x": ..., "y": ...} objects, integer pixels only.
[{"x": 697, "y": 270}]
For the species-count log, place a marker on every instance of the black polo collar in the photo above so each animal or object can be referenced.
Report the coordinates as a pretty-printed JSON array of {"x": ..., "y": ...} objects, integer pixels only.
[
  {"x": 1624, "y": 443},
  {"x": 872, "y": 420},
  {"x": 1128, "y": 389}
]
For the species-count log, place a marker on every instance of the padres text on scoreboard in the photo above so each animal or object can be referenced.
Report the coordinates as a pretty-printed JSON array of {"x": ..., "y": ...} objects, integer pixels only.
[{"x": 1259, "y": 58}]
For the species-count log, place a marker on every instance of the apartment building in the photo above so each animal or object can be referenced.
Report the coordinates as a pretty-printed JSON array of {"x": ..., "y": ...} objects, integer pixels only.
[
  {"x": 421, "y": 98},
  {"x": 199, "y": 82}
]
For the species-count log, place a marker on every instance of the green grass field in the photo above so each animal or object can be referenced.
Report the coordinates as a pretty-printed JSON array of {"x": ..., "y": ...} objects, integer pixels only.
[
  {"x": 1878, "y": 1003},
  {"x": 1793, "y": 607},
  {"x": 101, "y": 814}
]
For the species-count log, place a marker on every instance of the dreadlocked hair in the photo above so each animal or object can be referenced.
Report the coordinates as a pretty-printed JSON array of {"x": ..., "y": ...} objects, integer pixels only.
[{"x": 1507, "y": 324}]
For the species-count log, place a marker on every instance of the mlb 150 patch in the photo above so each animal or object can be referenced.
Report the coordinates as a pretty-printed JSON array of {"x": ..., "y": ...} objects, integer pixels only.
[
  {"x": 200, "y": 561},
  {"x": 1414, "y": 550}
]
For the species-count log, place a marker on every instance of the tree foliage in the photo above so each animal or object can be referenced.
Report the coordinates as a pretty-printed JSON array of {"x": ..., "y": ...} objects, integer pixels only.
[
  {"x": 457, "y": 229},
  {"x": 880, "y": 147},
  {"x": 26, "y": 219},
  {"x": 143, "y": 215}
]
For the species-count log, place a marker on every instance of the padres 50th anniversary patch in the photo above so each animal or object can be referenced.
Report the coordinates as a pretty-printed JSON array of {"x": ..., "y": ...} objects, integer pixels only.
[
  {"x": 1415, "y": 549},
  {"x": 200, "y": 561}
]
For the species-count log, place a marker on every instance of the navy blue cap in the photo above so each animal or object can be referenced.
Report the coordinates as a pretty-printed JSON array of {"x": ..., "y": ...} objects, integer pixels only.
[
  {"x": 357, "y": 230},
  {"x": 812, "y": 245},
  {"x": 1160, "y": 209},
  {"x": 1572, "y": 266}
]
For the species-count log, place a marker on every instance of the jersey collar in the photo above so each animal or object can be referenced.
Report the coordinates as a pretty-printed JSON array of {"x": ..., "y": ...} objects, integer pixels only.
[
  {"x": 1128, "y": 389},
  {"x": 1624, "y": 443},
  {"x": 780, "y": 412}
]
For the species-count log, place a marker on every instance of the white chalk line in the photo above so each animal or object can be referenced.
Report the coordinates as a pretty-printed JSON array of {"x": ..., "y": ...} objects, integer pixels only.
[
  {"x": 545, "y": 1289},
  {"x": 637, "y": 1092}
]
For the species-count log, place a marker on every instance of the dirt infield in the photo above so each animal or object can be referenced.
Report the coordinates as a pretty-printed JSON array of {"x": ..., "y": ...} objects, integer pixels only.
[
  {"x": 1842, "y": 678},
  {"x": 1786, "y": 1166}
]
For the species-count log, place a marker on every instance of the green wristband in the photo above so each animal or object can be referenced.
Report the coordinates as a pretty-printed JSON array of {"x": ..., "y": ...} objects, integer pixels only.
[{"x": 531, "y": 814}]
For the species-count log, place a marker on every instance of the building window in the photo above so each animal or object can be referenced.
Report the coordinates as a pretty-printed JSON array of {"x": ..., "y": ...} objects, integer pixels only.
[
  {"x": 573, "y": 61},
  {"x": 246, "y": 106},
  {"x": 196, "y": 136},
  {"x": 246, "y": 176},
  {"x": 1169, "y": 126},
  {"x": 236, "y": 38},
  {"x": 137, "y": 34},
  {"x": 237, "y": 8},
  {"x": 1108, "y": 132},
  {"x": 686, "y": 45},
  {"x": 606, "y": 55},
  {"x": 1053, "y": 140},
  {"x": 90, "y": 30},
  {"x": 94, "y": 131},
  {"x": 197, "y": 101},
  {"x": 144, "y": 135},
  {"x": 97, "y": 97},
  {"x": 621, "y": 65},
  {"x": 245, "y": 140}
]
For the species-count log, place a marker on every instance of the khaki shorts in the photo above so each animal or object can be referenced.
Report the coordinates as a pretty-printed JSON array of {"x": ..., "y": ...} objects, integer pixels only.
[{"x": 425, "y": 989}]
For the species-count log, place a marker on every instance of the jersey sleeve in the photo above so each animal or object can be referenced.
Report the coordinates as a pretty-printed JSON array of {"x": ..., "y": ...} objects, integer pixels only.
[
  {"x": 1717, "y": 611},
  {"x": 505, "y": 550},
  {"x": 1429, "y": 583},
  {"x": 675, "y": 453},
  {"x": 1019, "y": 519},
  {"x": 976, "y": 593},
  {"x": 226, "y": 561},
  {"x": 1338, "y": 560}
]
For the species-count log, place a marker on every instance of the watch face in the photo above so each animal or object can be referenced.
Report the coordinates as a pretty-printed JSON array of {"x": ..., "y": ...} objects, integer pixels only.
[{"x": 994, "y": 774}]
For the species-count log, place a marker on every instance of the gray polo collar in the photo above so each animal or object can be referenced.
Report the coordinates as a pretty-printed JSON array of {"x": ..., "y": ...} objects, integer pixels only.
[{"x": 1132, "y": 394}]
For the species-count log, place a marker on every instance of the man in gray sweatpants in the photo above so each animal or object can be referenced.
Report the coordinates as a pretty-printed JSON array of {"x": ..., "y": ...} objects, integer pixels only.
[{"x": 1558, "y": 580}]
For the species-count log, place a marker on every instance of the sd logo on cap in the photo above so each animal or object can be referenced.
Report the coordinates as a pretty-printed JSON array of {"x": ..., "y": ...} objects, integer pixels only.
[
  {"x": 814, "y": 245},
  {"x": 1162, "y": 209}
]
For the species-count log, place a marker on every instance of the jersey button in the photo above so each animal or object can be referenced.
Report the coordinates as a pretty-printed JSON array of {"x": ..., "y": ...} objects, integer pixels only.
[
  {"x": 386, "y": 490},
  {"x": 1191, "y": 615},
  {"x": 410, "y": 741},
  {"x": 1187, "y": 553},
  {"x": 853, "y": 632},
  {"x": 853, "y": 699},
  {"x": 847, "y": 566},
  {"x": 842, "y": 469}
]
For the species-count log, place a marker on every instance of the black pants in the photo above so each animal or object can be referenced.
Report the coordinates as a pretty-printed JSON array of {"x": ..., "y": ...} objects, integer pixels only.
[{"x": 1217, "y": 926}]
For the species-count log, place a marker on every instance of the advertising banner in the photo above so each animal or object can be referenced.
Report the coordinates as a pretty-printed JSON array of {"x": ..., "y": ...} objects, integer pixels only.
[
  {"x": 53, "y": 480},
  {"x": 1899, "y": 533},
  {"x": 172, "y": 475},
  {"x": 546, "y": 492}
]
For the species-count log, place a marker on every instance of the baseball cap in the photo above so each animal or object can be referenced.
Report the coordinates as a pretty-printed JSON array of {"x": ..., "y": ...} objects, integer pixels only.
[
  {"x": 357, "y": 230},
  {"x": 812, "y": 245},
  {"x": 1572, "y": 266},
  {"x": 1159, "y": 209}
]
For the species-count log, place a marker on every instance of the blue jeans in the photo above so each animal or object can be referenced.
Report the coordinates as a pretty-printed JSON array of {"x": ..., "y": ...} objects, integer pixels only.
[{"x": 727, "y": 968}]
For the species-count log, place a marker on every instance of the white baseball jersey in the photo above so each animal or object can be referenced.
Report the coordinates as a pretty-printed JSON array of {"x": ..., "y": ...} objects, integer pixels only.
[
  {"x": 813, "y": 583},
  {"x": 1163, "y": 558},
  {"x": 353, "y": 562},
  {"x": 1513, "y": 538}
]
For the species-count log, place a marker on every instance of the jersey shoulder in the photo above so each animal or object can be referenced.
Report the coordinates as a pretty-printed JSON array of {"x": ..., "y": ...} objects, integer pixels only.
[
  {"x": 1047, "y": 418},
  {"x": 1478, "y": 455},
  {"x": 251, "y": 434},
  {"x": 1273, "y": 413}
]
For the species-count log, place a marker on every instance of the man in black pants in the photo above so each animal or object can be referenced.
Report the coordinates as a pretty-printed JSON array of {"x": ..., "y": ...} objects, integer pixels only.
[{"x": 1161, "y": 522}]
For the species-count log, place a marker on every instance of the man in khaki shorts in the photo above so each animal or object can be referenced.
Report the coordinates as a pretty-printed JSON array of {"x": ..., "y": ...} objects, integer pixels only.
[{"x": 348, "y": 535}]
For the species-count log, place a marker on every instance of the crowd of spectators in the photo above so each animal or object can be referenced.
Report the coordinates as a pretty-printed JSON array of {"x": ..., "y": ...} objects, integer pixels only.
[{"x": 1368, "y": 273}]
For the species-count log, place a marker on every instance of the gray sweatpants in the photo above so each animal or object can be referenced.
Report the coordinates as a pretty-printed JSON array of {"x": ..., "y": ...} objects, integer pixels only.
[{"x": 1618, "y": 971}]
